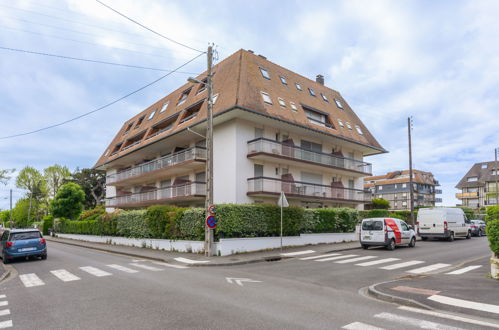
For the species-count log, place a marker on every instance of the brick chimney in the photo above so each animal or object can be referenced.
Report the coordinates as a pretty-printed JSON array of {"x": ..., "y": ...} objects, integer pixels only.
[{"x": 320, "y": 79}]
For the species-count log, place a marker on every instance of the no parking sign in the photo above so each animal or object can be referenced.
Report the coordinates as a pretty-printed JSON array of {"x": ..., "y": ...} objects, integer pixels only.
[{"x": 211, "y": 221}]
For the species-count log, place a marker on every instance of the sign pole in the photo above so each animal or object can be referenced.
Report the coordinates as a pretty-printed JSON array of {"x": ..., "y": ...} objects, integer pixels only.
[
  {"x": 281, "y": 225},
  {"x": 282, "y": 202}
]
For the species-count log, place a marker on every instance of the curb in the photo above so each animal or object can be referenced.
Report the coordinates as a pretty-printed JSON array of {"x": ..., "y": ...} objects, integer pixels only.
[
  {"x": 5, "y": 274},
  {"x": 373, "y": 292}
]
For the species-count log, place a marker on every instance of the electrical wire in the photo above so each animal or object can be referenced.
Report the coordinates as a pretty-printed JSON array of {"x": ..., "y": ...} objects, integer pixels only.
[
  {"x": 102, "y": 107},
  {"x": 91, "y": 61},
  {"x": 149, "y": 29}
]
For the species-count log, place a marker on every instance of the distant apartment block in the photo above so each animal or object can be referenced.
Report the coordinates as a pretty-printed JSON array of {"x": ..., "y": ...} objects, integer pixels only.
[
  {"x": 478, "y": 186},
  {"x": 274, "y": 130},
  {"x": 394, "y": 187}
]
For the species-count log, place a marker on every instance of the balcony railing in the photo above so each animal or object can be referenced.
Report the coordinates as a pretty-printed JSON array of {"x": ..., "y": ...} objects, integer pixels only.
[
  {"x": 467, "y": 195},
  {"x": 196, "y": 153},
  {"x": 191, "y": 189},
  {"x": 264, "y": 185},
  {"x": 438, "y": 200},
  {"x": 438, "y": 191},
  {"x": 278, "y": 149}
]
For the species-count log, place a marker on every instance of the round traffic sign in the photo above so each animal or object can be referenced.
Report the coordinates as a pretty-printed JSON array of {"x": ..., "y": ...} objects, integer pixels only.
[
  {"x": 211, "y": 221},
  {"x": 211, "y": 209}
]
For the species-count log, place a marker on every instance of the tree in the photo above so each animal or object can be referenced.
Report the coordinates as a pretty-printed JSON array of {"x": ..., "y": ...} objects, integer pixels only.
[
  {"x": 380, "y": 203},
  {"x": 55, "y": 176},
  {"x": 4, "y": 176},
  {"x": 68, "y": 203},
  {"x": 93, "y": 183},
  {"x": 23, "y": 211},
  {"x": 29, "y": 178}
]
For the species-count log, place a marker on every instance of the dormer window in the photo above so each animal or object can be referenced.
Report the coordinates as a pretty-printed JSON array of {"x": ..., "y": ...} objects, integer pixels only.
[
  {"x": 311, "y": 91},
  {"x": 318, "y": 117},
  {"x": 266, "y": 98},
  {"x": 129, "y": 127},
  {"x": 472, "y": 179},
  {"x": 283, "y": 80},
  {"x": 265, "y": 73},
  {"x": 298, "y": 86},
  {"x": 338, "y": 103},
  {"x": 141, "y": 119},
  {"x": 202, "y": 87},
  {"x": 165, "y": 105},
  {"x": 484, "y": 166},
  {"x": 324, "y": 97},
  {"x": 191, "y": 112},
  {"x": 183, "y": 97}
]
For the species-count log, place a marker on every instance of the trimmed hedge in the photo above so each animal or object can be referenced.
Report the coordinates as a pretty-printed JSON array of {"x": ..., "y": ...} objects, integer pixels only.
[
  {"x": 48, "y": 223},
  {"x": 492, "y": 228},
  {"x": 190, "y": 225},
  {"x": 132, "y": 224},
  {"x": 79, "y": 227},
  {"x": 162, "y": 220},
  {"x": 492, "y": 213}
]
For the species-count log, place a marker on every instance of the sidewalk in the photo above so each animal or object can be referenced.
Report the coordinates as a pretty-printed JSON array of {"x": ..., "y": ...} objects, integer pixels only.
[
  {"x": 473, "y": 293},
  {"x": 192, "y": 259}
]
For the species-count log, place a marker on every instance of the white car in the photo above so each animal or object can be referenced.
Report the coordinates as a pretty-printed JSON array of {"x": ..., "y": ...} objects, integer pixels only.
[
  {"x": 388, "y": 232},
  {"x": 443, "y": 222}
]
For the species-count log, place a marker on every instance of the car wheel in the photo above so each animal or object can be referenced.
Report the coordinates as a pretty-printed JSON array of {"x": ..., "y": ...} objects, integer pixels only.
[
  {"x": 44, "y": 257},
  {"x": 424, "y": 238},
  {"x": 451, "y": 237},
  {"x": 469, "y": 235},
  {"x": 413, "y": 242},
  {"x": 365, "y": 246},
  {"x": 391, "y": 245},
  {"x": 5, "y": 260}
]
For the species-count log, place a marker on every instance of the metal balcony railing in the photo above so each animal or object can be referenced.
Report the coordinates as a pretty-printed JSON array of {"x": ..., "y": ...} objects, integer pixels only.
[
  {"x": 438, "y": 200},
  {"x": 198, "y": 153},
  {"x": 438, "y": 191},
  {"x": 173, "y": 192},
  {"x": 279, "y": 149},
  {"x": 305, "y": 189}
]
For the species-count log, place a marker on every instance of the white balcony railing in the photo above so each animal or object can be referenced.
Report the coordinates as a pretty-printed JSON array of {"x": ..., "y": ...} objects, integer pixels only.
[
  {"x": 262, "y": 145},
  {"x": 196, "y": 153}
]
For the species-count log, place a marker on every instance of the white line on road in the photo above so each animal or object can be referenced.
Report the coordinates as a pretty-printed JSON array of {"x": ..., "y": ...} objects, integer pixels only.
[
  {"x": 4, "y": 303},
  {"x": 321, "y": 256},
  {"x": 169, "y": 265},
  {"x": 402, "y": 265},
  {"x": 449, "y": 316},
  {"x": 299, "y": 253},
  {"x": 5, "y": 312},
  {"x": 360, "y": 326},
  {"x": 154, "y": 269},
  {"x": 466, "y": 304},
  {"x": 64, "y": 275},
  {"x": 354, "y": 259},
  {"x": 123, "y": 268},
  {"x": 6, "y": 324},
  {"x": 336, "y": 258},
  {"x": 30, "y": 280},
  {"x": 414, "y": 322},
  {"x": 95, "y": 271},
  {"x": 463, "y": 270},
  {"x": 427, "y": 269},
  {"x": 377, "y": 262},
  {"x": 2, "y": 296},
  {"x": 189, "y": 261}
]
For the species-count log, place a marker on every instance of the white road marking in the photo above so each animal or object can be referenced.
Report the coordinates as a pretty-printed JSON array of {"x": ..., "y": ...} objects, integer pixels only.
[
  {"x": 64, "y": 275},
  {"x": 2, "y": 296},
  {"x": 30, "y": 280},
  {"x": 427, "y": 269},
  {"x": 5, "y": 312},
  {"x": 154, "y": 269},
  {"x": 377, "y": 262},
  {"x": 463, "y": 270},
  {"x": 414, "y": 322},
  {"x": 95, "y": 271},
  {"x": 449, "y": 316},
  {"x": 6, "y": 324},
  {"x": 321, "y": 256},
  {"x": 239, "y": 281},
  {"x": 189, "y": 261},
  {"x": 354, "y": 259},
  {"x": 402, "y": 265},
  {"x": 336, "y": 258},
  {"x": 169, "y": 265},
  {"x": 360, "y": 326},
  {"x": 466, "y": 304},
  {"x": 123, "y": 268},
  {"x": 299, "y": 253},
  {"x": 4, "y": 303}
]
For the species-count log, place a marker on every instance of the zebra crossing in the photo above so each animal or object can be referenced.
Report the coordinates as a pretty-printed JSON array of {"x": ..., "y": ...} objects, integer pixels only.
[
  {"x": 416, "y": 267},
  {"x": 4, "y": 312}
]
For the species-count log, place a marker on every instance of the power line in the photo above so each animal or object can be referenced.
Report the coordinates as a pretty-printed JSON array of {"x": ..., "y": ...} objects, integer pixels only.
[
  {"x": 102, "y": 107},
  {"x": 145, "y": 27},
  {"x": 91, "y": 61}
]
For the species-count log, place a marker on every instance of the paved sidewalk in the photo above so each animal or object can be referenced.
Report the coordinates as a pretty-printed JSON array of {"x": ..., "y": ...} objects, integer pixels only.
[
  {"x": 473, "y": 292},
  {"x": 193, "y": 259}
]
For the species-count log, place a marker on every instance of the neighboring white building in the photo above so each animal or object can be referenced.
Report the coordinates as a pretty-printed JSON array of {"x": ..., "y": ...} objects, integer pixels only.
[{"x": 274, "y": 131}]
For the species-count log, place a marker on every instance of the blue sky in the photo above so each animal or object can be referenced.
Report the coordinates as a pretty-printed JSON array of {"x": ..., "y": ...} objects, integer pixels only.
[{"x": 437, "y": 61}]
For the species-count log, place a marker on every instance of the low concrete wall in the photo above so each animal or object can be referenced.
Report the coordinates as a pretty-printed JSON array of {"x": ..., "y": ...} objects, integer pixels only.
[{"x": 226, "y": 246}]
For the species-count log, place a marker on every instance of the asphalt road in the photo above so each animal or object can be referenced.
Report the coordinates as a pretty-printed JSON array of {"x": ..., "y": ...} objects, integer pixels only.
[{"x": 290, "y": 294}]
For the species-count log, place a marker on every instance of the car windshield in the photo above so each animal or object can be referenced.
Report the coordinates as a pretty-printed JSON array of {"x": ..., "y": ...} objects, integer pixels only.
[
  {"x": 372, "y": 225},
  {"x": 25, "y": 235}
]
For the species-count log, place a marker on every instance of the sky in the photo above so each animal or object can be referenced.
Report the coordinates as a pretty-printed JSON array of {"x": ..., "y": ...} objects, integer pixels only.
[{"x": 434, "y": 61}]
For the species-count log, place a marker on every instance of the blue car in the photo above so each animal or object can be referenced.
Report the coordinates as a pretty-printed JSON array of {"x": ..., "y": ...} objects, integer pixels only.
[{"x": 22, "y": 243}]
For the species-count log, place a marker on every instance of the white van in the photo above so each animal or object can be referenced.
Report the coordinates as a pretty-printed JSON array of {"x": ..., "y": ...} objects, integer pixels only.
[
  {"x": 388, "y": 232},
  {"x": 442, "y": 223}
]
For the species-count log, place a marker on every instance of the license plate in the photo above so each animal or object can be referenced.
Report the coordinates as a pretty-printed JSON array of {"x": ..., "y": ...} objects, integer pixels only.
[
  {"x": 27, "y": 249},
  {"x": 367, "y": 237}
]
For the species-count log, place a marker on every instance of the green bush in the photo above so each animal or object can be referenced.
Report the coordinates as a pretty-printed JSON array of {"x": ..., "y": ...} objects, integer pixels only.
[
  {"x": 92, "y": 214},
  {"x": 492, "y": 213},
  {"x": 378, "y": 213},
  {"x": 79, "y": 227},
  {"x": 190, "y": 225},
  {"x": 493, "y": 235},
  {"x": 470, "y": 214},
  {"x": 161, "y": 220},
  {"x": 48, "y": 223},
  {"x": 132, "y": 224},
  {"x": 339, "y": 220},
  {"x": 380, "y": 203},
  {"x": 108, "y": 223}
]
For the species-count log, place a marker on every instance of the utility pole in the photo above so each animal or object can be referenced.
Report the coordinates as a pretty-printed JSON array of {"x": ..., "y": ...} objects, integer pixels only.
[
  {"x": 10, "y": 213},
  {"x": 497, "y": 175},
  {"x": 411, "y": 190},
  {"x": 208, "y": 237}
]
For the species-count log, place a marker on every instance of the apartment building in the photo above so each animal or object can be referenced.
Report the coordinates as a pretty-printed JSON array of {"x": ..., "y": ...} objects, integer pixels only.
[
  {"x": 274, "y": 130},
  {"x": 395, "y": 188},
  {"x": 478, "y": 186}
]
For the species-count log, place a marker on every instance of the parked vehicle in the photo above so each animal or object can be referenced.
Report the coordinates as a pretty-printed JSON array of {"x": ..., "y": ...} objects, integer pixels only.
[
  {"x": 443, "y": 222},
  {"x": 17, "y": 243},
  {"x": 388, "y": 232},
  {"x": 477, "y": 227}
]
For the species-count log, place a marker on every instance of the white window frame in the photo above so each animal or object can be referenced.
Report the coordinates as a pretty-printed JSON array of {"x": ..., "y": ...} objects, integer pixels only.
[
  {"x": 151, "y": 116},
  {"x": 215, "y": 98},
  {"x": 265, "y": 73},
  {"x": 312, "y": 92},
  {"x": 268, "y": 100},
  {"x": 341, "y": 122},
  {"x": 348, "y": 125},
  {"x": 293, "y": 106},
  {"x": 472, "y": 179},
  {"x": 164, "y": 107},
  {"x": 298, "y": 86},
  {"x": 283, "y": 80},
  {"x": 281, "y": 101},
  {"x": 338, "y": 103},
  {"x": 324, "y": 97},
  {"x": 359, "y": 130}
]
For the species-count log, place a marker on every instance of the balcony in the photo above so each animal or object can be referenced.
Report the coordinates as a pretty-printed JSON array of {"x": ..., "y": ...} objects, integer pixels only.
[
  {"x": 263, "y": 186},
  {"x": 467, "y": 195},
  {"x": 438, "y": 191},
  {"x": 179, "y": 162},
  {"x": 186, "y": 192},
  {"x": 438, "y": 200},
  {"x": 266, "y": 149}
]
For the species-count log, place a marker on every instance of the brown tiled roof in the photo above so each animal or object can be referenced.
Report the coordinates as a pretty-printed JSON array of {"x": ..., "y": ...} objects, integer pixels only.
[
  {"x": 483, "y": 175},
  {"x": 239, "y": 83},
  {"x": 393, "y": 177}
]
